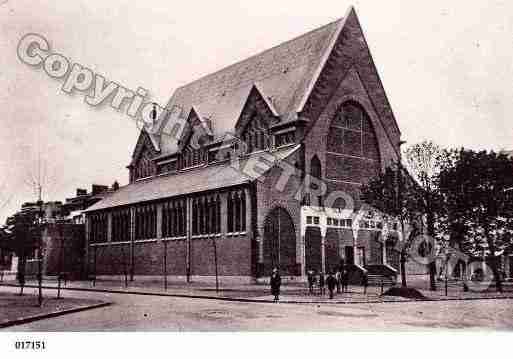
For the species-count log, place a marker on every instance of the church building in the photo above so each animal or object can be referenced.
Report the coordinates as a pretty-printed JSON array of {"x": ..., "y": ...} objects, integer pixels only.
[{"x": 266, "y": 173}]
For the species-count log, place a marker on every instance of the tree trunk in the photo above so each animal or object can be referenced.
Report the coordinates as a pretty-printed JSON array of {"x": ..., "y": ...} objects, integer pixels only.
[
  {"x": 496, "y": 275},
  {"x": 432, "y": 275},
  {"x": 21, "y": 272},
  {"x": 403, "y": 268},
  {"x": 493, "y": 261},
  {"x": 430, "y": 223}
]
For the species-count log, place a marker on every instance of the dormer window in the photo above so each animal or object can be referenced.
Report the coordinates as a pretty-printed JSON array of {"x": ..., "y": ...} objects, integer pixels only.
[
  {"x": 256, "y": 135},
  {"x": 285, "y": 138},
  {"x": 166, "y": 167},
  {"x": 191, "y": 157}
]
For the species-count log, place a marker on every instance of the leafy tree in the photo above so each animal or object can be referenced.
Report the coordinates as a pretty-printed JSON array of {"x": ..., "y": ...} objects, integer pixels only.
[
  {"x": 21, "y": 236},
  {"x": 425, "y": 160},
  {"x": 479, "y": 205},
  {"x": 393, "y": 193}
]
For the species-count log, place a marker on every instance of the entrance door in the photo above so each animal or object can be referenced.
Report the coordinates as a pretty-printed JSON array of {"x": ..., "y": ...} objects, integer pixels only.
[
  {"x": 349, "y": 251},
  {"x": 279, "y": 243},
  {"x": 313, "y": 254}
]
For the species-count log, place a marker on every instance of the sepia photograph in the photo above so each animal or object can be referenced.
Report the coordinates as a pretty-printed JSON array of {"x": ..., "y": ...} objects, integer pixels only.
[{"x": 255, "y": 167}]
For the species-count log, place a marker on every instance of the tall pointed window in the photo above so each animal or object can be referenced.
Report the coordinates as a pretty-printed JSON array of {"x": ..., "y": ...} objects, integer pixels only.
[
  {"x": 146, "y": 222},
  {"x": 121, "y": 225},
  {"x": 236, "y": 211},
  {"x": 194, "y": 217},
  {"x": 229, "y": 204},
  {"x": 99, "y": 228},
  {"x": 316, "y": 173},
  {"x": 206, "y": 213}
]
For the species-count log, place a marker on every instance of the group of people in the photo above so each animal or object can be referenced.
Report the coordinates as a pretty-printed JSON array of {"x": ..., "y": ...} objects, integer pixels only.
[{"x": 338, "y": 280}]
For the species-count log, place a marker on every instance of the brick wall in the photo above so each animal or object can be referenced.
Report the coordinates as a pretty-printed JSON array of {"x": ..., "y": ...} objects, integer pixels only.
[
  {"x": 111, "y": 259},
  {"x": 233, "y": 256}
]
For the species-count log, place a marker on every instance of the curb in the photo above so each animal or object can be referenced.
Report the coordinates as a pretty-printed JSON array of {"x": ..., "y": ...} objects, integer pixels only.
[
  {"x": 248, "y": 300},
  {"x": 34, "y": 318}
]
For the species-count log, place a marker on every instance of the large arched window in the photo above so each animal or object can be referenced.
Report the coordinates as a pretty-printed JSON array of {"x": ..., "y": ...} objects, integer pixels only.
[{"x": 352, "y": 152}]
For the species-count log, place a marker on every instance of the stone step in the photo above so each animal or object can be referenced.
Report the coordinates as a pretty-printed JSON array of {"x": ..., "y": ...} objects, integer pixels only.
[{"x": 378, "y": 279}]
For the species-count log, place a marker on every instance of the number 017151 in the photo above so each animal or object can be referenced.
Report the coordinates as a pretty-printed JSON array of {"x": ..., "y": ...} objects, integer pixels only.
[{"x": 30, "y": 345}]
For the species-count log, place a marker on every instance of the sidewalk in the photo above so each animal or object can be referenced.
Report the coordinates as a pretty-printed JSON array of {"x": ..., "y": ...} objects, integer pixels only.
[{"x": 290, "y": 293}]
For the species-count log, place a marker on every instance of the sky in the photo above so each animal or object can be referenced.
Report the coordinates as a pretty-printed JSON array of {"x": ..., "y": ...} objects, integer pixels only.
[{"x": 446, "y": 67}]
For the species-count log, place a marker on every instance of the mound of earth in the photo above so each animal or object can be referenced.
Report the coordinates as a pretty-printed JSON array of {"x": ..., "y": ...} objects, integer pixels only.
[{"x": 405, "y": 292}]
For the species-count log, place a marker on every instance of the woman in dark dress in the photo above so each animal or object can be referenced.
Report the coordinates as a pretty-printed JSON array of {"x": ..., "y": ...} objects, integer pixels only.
[{"x": 275, "y": 284}]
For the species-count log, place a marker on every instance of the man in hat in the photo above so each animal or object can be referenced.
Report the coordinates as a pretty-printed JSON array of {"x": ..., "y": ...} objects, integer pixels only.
[{"x": 275, "y": 284}]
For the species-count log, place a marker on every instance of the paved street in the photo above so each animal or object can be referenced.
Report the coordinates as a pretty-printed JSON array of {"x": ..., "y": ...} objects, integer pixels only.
[{"x": 135, "y": 312}]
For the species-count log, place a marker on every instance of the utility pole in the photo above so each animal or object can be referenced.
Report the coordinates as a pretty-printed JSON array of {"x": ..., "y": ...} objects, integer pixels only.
[
  {"x": 125, "y": 271},
  {"x": 215, "y": 262},
  {"x": 61, "y": 260},
  {"x": 94, "y": 261},
  {"x": 40, "y": 251},
  {"x": 165, "y": 265}
]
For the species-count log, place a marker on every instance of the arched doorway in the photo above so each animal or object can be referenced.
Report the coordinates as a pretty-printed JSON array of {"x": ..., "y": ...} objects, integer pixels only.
[
  {"x": 313, "y": 250},
  {"x": 279, "y": 242}
]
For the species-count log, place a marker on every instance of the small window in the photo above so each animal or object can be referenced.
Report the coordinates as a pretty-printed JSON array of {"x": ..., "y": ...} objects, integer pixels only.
[
  {"x": 309, "y": 220},
  {"x": 285, "y": 138},
  {"x": 316, "y": 220}
]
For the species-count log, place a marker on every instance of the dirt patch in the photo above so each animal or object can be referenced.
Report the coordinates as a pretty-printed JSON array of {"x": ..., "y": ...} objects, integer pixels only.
[{"x": 410, "y": 293}]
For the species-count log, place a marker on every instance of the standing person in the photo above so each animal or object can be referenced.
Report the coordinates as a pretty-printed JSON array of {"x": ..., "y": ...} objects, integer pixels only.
[
  {"x": 275, "y": 284},
  {"x": 321, "y": 283},
  {"x": 311, "y": 281},
  {"x": 365, "y": 281},
  {"x": 345, "y": 279},
  {"x": 338, "y": 279},
  {"x": 331, "y": 282}
]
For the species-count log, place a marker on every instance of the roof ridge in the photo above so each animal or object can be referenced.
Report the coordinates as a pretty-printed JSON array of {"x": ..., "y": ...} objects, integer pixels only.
[
  {"x": 324, "y": 58},
  {"x": 259, "y": 54}
]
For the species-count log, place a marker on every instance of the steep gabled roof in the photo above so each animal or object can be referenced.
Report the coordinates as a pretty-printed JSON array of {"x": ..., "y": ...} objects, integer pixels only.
[{"x": 283, "y": 74}]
